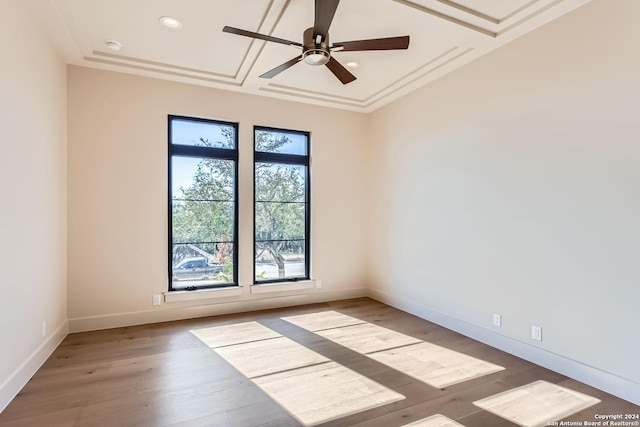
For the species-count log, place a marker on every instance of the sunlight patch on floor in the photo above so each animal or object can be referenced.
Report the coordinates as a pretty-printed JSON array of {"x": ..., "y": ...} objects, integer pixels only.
[
  {"x": 236, "y": 333},
  {"x": 434, "y": 421},
  {"x": 258, "y": 358},
  {"x": 311, "y": 387},
  {"x": 367, "y": 338},
  {"x": 320, "y": 393},
  {"x": 437, "y": 366},
  {"x": 323, "y": 320},
  {"x": 535, "y": 404}
]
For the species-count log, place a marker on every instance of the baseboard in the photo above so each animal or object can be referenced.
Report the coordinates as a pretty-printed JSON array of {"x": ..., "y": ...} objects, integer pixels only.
[
  {"x": 170, "y": 312},
  {"x": 606, "y": 381},
  {"x": 12, "y": 386}
]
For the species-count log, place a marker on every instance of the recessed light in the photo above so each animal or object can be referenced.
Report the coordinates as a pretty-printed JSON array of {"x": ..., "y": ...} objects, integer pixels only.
[
  {"x": 113, "y": 45},
  {"x": 352, "y": 64},
  {"x": 170, "y": 22}
]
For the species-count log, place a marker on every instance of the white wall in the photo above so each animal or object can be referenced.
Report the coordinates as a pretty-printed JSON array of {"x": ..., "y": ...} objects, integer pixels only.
[
  {"x": 33, "y": 214},
  {"x": 512, "y": 186},
  {"x": 118, "y": 195}
]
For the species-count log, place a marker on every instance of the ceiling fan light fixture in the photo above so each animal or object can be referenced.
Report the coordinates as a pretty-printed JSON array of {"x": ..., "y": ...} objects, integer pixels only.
[{"x": 316, "y": 57}]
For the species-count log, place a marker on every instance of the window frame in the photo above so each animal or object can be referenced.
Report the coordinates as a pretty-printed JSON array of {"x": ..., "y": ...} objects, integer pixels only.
[
  {"x": 202, "y": 152},
  {"x": 289, "y": 159}
]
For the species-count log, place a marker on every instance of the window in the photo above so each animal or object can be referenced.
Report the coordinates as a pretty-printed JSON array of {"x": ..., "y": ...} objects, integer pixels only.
[
  {"x": 281, "y": 205},
  {"x": 203, "y": 203}
]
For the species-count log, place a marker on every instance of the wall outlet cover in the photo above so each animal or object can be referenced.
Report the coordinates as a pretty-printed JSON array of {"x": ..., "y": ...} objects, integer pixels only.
[
  {"x": 536, "y": 332},
  {"x": 497, "y": 320}
]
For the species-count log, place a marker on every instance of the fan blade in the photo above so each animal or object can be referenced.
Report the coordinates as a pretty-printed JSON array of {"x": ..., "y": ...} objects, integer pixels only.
[
  {"x": 259, "y": 36},
  {"x": 340, "y": 72},
  {"x": 390, "y": 43},
  {"x": 280, "y": 68},
  {"x": 325, "y": 9}
]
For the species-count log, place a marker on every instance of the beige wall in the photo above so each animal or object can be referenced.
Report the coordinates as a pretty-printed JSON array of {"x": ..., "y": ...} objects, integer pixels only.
[
  {"x": 33, "y": 214},
  {"x": 512, "y": 186},
  {"x": 118, "y": 195}
]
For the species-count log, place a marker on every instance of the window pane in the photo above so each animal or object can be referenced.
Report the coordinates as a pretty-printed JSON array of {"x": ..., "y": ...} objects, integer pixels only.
[
  {"x": 202, "y": 221},
  {"x": 202, "y": 199},
  {"x": 203, "y": 134},
  {"x": 280, "y": 182},
  {"x": 277, "y": 260},
  {"x": 281, "y": 205},
  {"x": 273, "y": 141},
  {"x": 203, "y": 204},
  {"x": 279, "y": 221},
  {"x": 201, "y": 264},
  {"x": 199, "y": 178}
]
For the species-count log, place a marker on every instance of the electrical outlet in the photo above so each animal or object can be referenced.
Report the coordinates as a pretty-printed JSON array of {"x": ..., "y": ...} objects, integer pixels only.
[
  {"x": 497, "y": 320},
  {"x": 157, "y": 299},
  {"x": 536, "y": 332},
  {"x": 44, "y": 329},
  {"x": 318, "y": 284}
]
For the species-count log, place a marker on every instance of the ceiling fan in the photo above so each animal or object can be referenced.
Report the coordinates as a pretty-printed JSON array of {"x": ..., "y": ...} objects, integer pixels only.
[{"x": 316, "y": 49}]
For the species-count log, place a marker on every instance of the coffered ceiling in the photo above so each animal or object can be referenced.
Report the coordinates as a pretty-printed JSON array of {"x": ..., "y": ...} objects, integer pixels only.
[{"x": 444, "y": 34}]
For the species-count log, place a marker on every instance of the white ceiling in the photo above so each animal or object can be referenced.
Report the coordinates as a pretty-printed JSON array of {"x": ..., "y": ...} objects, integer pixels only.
[{"x": 445, "y": 34}]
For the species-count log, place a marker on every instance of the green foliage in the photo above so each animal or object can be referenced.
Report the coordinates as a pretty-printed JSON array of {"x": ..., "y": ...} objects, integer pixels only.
[{"x": 226, "y": 275}]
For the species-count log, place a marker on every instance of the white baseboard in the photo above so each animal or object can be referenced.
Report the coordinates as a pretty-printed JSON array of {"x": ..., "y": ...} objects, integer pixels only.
[
  {"x": 169, "y": 312},
  {"x": 12, "y": 386},
  {"x": 606, "y": 381}
]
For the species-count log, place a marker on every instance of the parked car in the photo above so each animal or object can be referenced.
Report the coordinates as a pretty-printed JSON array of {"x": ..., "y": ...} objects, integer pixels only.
[{"x": 196, "y": 268}]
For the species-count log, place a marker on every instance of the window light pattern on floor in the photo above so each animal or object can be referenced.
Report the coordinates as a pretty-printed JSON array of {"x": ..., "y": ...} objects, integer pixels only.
[
  {"x": 535, "y": 404},
  {"x": 437, "y": 420},
  {"x": 311, "y": 387},
  {"x": 432, "y": 364}
]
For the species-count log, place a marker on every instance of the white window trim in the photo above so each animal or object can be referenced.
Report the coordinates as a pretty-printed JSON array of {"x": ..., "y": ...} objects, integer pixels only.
[
  {"x": 236, "y": 292},
  {"x": 200, "y": 294},
  {"x": 267, "y": 288}
]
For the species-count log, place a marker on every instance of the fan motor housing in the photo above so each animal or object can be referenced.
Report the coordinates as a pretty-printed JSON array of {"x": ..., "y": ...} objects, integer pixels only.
[{"x": 315, "y": 53}]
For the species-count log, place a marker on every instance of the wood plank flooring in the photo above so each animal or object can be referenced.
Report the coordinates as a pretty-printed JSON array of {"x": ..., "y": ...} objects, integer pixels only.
[{"x": 163, "y": 375}]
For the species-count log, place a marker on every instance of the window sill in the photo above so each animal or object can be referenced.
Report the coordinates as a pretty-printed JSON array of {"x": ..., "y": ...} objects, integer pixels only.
[
  {"x": 179, "y": 296},
  {"x": 301, "y": 285}
]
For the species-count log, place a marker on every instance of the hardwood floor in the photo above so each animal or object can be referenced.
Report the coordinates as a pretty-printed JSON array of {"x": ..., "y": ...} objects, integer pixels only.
[{"x": 163, "y": 375}]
